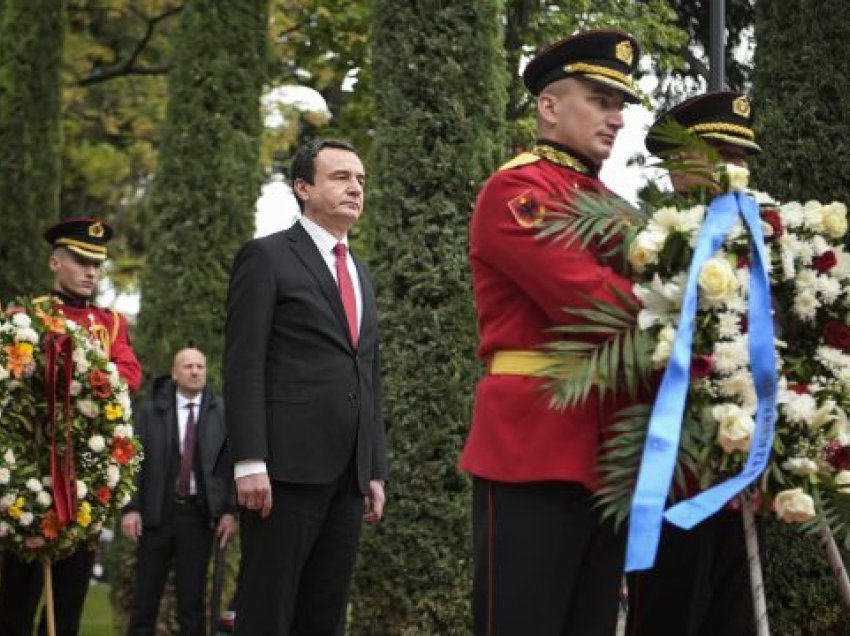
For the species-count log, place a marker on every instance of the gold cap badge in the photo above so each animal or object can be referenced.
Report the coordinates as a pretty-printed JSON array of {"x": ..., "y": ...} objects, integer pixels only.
[
  {"x": 96, "y": 230},
  {"x": 741, "y": 106},
  {"x": 624, "y": 52}
]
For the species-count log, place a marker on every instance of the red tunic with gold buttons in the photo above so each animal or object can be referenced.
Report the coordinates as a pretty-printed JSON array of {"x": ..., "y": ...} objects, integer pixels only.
[
  {"x": 521, "y": 285},
  {"x": 110, "y": 328}
]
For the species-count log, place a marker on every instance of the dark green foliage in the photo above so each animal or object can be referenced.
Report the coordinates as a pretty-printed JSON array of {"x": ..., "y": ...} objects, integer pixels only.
[
  {"x": 802, "y": 97},
  {"x": 201, "y": 207},
  {"x": 439, "y": 86},
  {"x": 31, "y": 33}
]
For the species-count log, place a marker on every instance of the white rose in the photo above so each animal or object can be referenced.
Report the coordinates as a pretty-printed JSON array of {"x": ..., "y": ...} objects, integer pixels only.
[
  {"x": 737, "y": 177},
  {"x": 21, "y": 320},
  {"x": 82, "y": 490},
  {"x": 734, "y": 427},
  {"x": 75, "y": 388},
  {"x": 97, "y": 443},
  {"x": 717, "y": 280},
  {"x": 842, "y": 481},
  {"x": 5, "y": 476},
  {"x": 834, "y": 219},
  {"x": 801, "y": 466},
  {"x": 794, "y": 506},
  {"x": 34, "y": 484},
  {"x": 25, "y": 519},
  {"x": 44, "y": 499},
  {"x": 644, "y": 250},
  {"x": 664, "y": 347},
  {"x": 9, "y": 457},
  {"x": 112, "y": 475},
  {"x": 87, "y": 408}
]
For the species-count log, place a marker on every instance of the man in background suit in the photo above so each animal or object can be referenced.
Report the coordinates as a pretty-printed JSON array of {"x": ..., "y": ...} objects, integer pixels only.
[
  {"x": 303, "y": 393},
  {"x": 180, "y": 503}
]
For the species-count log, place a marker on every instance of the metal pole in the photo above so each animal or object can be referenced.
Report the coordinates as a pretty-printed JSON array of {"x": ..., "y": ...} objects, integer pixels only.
[{"x": 717, "y": 46}]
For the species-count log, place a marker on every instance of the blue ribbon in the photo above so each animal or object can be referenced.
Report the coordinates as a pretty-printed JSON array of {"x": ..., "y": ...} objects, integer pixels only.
[{"x": 665, "y": 425}]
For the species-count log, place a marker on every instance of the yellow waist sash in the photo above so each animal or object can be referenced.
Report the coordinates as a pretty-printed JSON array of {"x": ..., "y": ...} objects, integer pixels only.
[{"x": 526, "y": 362}]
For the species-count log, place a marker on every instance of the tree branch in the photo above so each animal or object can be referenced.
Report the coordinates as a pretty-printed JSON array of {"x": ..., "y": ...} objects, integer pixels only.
[{"x": 128, "y": 66}]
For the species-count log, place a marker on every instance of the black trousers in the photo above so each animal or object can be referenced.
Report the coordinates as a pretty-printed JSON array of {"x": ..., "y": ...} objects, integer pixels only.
[
  {"x": 21, "y": 585},
  {"x": 700, "y": 585},
  {"x": 297, "y": 564},
  {"x": 544, "y": 562},
  {"x": 184, "y": 540}
]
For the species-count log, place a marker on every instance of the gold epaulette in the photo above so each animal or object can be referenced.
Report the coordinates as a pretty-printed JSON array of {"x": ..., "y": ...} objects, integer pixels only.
[
  {"x": 522, "y": 159},
  {"x": 41, "y": 299}
]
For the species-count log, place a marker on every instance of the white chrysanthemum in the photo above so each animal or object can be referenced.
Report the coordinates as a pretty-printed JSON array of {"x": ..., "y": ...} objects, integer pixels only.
[
  {"x": 123, "y": 399},
  {"x": 81, "y": 362},
  {"x": 799, "y": 408},
  {"x": 840, "y": 428},
  {"x": 806, "y": 305},
  {"x": 44, "y": 499},
  {"x": 735, "y": 232},
  {"x": 801, "y": 466},
  {"x": 728, "y": 325},
  {"x": 82, "y": 490},
  {"x": 660, "y": 300},
  {"x": 113, "y": 474},
  {"x": 97, "y": 443},
  {"x": 5, "y": 476},
  {"x": 824, "y": 415},
  {"x": 762, "y": 198},
  {"x": 21, "y": 320},
  {"x": 740, "y": 387},
  {"x": 786, "y": 256},
  {"x": 34, "y": 484},
  {"x": 829, "y": 289},
  {"x": 26, "y": 334},
  {"x": 731, "y": 356},
  {"x": 26, "y": 519},
  {"x": 841, "y": 271}
]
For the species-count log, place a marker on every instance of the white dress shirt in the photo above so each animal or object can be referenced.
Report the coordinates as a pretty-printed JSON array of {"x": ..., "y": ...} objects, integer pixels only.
[
  {"x": 325, "y": 242},
  {"x": 182, "y": 418}
]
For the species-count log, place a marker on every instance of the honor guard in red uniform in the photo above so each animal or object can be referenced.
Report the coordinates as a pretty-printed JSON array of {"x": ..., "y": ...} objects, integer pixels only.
[
  {"x": 700, "y": 584},
  {"x": 79, "y": 250},
  {"x": 544, "y": 562}
]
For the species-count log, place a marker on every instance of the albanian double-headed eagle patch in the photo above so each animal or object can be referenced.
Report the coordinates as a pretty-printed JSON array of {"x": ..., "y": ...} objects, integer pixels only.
[{"x": 527, "y": 209}]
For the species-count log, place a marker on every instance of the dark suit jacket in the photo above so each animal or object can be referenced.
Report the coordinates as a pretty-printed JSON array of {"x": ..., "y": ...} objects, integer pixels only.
[
  {"x": 298, "y": 394},
  {"x": 156, "y": 427}
]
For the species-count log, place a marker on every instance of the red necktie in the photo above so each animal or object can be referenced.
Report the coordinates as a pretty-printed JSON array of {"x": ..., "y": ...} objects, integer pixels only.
[
  {"x": 346, "y": 290},
  {"x": 188, "y": 455}
]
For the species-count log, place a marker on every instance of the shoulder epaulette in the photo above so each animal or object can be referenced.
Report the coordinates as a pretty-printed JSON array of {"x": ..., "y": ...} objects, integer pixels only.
[
  {"x": 42, "y": 299},
  {"x": 522, "y": 159}
]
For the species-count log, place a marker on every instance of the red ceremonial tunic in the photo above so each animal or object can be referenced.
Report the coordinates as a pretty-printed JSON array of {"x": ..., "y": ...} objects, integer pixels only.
[
  {"x": 521, "y": 286},
  {"x": 111, "y": 328}
]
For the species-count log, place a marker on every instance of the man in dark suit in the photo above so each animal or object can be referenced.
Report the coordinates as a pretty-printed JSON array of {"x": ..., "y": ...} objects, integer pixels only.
[
  {"x": 180, "y": 503},
  {"x": 303, "y": 392}
]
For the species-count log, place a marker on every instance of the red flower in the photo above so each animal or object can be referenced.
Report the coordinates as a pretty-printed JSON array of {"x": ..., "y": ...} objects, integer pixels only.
[
  {"x": 837, "y": 455},
  {"x": 104, "y": 495},
  {"x": 743, "y": 262},
  {"x": 772, "y": 218},
  {"x": 701, "y": 366},
  {"x": 100, "y": 386},
  {"x": 837, "y": 334},
  {"x": 799, "y": 389},
  {"x": 824, "y": 262},
  {"x": 123, "y": 450}
]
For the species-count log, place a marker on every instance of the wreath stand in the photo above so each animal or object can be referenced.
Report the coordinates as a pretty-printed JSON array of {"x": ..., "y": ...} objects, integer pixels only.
[{"x": 48, "y": 597}]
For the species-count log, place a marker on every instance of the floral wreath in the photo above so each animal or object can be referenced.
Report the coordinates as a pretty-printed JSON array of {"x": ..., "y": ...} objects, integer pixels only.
[{"x": 68, "y": 458}]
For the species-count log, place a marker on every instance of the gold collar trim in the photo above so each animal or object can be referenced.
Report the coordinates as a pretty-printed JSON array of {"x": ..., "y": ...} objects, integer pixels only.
[{"x": 560, "y": 158}]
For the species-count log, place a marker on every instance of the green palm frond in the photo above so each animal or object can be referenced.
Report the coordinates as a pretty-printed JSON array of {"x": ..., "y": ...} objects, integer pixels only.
[
  {"x": 584, "y": 217},
  {"x": 614, "y": 359},
  {"x": 619, "y": 461},
  {"x": 688, "y": 152},
  {"x": 835, "y": 512}
]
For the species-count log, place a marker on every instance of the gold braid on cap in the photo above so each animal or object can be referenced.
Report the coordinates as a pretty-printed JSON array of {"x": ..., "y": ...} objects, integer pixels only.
[
  {"x": 594, "y": 69},
  {"x": 559, "y": 158},
  {"x": 723, "y": 127}
]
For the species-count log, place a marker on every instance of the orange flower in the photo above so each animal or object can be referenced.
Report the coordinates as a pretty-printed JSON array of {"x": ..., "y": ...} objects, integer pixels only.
[
  {"x": 20, "y": 357},
  {"x": 50, "y": 525},
  {"x": 53, "y": 323},
  {"x": 123, "y": 450}
]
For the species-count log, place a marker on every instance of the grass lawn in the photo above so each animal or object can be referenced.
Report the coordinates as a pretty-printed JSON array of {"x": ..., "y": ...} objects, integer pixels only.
[{"x": 97, "y": 614}]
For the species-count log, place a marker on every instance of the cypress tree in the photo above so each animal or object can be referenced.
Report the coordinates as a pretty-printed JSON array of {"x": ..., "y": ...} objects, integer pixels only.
[
  {"x": 32, "y": 35},
  {"x": 802, "y": 93},
  {"x": 202, "y": 203},
  {"x": 439, "y": 81}
]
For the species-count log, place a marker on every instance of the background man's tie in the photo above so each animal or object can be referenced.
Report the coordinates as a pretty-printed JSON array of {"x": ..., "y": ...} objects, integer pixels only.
[
  {"x": 346, "y": 290},
  {"x": 188, "y": 455}
]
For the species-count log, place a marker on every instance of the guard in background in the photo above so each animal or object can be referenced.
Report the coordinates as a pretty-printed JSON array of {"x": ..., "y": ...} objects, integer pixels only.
[
  {"x": 79, "y": 251},
  {"x": 544, "y": 563}
]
